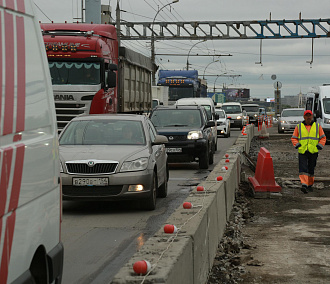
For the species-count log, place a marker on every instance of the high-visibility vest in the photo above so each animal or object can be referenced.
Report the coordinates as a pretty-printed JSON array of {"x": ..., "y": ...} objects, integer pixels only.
[{"x": 308, "y": 140}]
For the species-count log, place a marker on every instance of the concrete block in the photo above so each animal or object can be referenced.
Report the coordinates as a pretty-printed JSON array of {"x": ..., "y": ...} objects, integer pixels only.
[{"x": 174, "y": 266}]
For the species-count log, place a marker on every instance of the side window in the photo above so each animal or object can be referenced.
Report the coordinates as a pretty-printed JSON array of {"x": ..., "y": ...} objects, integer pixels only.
[
  {"x": 204, "y": 117},
  {"x": 152, "y": 131}
]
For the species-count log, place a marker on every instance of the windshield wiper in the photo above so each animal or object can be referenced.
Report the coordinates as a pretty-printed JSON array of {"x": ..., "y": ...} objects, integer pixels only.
[{"x": 175, "y": 125}]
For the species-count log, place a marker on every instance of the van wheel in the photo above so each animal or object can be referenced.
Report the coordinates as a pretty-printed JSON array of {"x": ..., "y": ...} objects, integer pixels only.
[
  {"x": 204, "y": 160},
  {"x": 150, "y": 202}
]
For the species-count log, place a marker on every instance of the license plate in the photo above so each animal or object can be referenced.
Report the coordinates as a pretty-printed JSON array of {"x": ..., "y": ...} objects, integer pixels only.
[
  {"x": 90, "y": 181},
  {"x": 173, "y": 150}
]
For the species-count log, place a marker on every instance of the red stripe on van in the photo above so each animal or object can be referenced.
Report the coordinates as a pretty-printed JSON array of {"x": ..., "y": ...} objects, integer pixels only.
[
  {"x": 20, "y": 39},
  {"x": 0, "y": 67},
  {"x": 5, "y": 175},
  {"x": 9, "y": 233},
  {"x": 20, "y": 5},
  {"x": 9, "y": 88},
  {"x": 17, "y": 179},
  {"x": 10, "y": 4}
]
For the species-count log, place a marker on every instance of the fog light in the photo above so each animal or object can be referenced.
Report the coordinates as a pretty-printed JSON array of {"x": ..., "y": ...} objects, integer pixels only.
[{"x": 135, "y": 187}]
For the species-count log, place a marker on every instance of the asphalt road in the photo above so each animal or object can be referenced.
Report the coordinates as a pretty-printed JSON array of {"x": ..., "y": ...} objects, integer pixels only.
[{"x": 100, "y": 237}]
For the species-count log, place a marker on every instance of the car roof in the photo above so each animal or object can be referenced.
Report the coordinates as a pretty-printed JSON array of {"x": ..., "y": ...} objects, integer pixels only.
[
  {"x": 178, "y": 107},
  {"x": 294, "y": 108},
  {"x": 250, "y": 105},
  {"x": 231, "y": 103},
  {"x": 111, "y": 116}
]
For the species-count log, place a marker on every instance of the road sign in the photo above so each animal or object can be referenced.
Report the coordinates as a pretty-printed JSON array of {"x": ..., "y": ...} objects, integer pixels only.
[{"x": 277, "y": 85}]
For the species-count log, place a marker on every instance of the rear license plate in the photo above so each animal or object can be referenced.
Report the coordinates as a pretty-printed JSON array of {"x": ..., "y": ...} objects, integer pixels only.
[
  {"x": 173, "y": 150},
  {"x": 90, "y": 181}
]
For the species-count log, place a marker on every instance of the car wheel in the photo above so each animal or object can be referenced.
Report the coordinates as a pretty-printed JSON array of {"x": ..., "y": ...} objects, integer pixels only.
[
  {"x": 150, "y": 202},
  {"x": 226, "y": 135},
  {"x": 204, "y": 160},
  {"x": 162, "y": 190},
  {"x": 216, "y": 144}
]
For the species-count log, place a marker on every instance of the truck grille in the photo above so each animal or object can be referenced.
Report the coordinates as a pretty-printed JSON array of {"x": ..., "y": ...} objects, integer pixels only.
[
  {"x": 83, "y": 168},
  {"x": 66, "y": 112}
]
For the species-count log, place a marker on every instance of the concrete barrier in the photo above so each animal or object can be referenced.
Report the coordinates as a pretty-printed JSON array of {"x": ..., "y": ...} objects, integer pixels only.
[{"x": 187, "y": 256}]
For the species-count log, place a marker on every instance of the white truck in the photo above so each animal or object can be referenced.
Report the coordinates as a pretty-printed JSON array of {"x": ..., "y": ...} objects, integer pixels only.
[
  {"x": 30, "y": 185},
  {"x": 318, "y": 101},
  {"x": 159, "y": 95}
]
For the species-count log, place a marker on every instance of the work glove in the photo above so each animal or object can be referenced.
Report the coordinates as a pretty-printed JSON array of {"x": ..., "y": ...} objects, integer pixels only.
[
  {"x": 319, "y": 147},
  {"x": 297, "y": 145}
]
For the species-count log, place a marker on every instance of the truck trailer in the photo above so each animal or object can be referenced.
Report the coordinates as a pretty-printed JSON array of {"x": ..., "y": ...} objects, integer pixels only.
[{"x": 92, "y": 75}]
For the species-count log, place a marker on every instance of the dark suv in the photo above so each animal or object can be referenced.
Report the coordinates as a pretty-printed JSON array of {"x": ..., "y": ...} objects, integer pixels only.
[{"x": 189, "y": 133}]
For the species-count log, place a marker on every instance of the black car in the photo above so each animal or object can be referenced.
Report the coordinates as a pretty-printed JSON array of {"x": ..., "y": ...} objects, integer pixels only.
[{"x": 188, "y": 131}]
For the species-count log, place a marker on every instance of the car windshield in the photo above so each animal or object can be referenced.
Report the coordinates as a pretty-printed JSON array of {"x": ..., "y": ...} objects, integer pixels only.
[
  {"x": 232, "y": 108},
  {"x": 251, "y": 108},
  {"x": 293, "y": 112},
  {"x": 75, "y": 73},
  {"x": 326, "y": 104},
  {"x": 220, "y": 113},
  {"x": 176, "y": 118},
  {"x": 103, "y": 132}
]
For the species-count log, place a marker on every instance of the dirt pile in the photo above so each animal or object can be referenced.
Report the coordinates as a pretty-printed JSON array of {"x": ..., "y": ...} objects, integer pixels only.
[{"x": 278, "y": 240}]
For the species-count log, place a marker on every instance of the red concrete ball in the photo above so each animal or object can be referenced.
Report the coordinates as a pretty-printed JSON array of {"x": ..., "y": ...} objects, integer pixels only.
[
  {"x": 140, "y": 267},
  {"x": 227, "y": 161},
  {"x": 187, "y": 205},
  {"x": 219, "y": 178},
  {"x": 200, "y": 188}
]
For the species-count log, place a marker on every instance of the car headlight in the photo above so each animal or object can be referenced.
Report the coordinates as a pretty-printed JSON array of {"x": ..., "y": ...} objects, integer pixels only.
[
  {"x": 327, "y": 120},
  {"x": 255, "y": 115},
  {"x": 193, "y": 135},
  {"x": 239, "y": 117},
  {"x": 136, "y": 165},
  {"x": 283, "y": 121}
]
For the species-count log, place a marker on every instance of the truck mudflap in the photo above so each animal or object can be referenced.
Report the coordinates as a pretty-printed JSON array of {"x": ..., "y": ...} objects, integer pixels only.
[{"x": 55, "y": 263}]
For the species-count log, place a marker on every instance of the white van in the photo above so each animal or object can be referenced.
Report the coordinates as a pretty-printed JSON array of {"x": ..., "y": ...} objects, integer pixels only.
[
  {"x": 209, "y": 106},
  {"x": 318, "y": 101},
  {"x": 30, "y": 187},
  {"x": 234, "y": 112}
]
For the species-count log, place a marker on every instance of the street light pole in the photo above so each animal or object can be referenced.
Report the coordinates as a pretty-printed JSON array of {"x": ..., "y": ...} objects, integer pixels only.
[
  {"x": 208, "y": 66},
  {"x": 191, "y": 49},
  {"x": 153, "y": 57}
]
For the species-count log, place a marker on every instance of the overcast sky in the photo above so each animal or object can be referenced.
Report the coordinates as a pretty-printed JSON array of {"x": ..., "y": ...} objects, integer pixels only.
[{"x": 285, "y": 58}]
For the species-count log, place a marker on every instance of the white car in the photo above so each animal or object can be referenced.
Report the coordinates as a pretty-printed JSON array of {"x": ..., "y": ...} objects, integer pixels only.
[
  {"x": 289, "y": 118},
  {"x": 223, "y": 123}
]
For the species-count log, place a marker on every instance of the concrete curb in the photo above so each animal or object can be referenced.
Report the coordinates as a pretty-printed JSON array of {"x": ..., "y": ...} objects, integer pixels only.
[{"x": 187, "y": 256}]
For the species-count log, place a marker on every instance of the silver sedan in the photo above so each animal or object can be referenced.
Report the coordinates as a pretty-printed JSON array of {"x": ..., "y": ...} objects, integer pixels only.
[{"x": 112, "y": 157}]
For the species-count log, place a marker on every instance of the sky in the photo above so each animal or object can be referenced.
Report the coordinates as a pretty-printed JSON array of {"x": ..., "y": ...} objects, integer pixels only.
[{"x": 286, "y": 58}]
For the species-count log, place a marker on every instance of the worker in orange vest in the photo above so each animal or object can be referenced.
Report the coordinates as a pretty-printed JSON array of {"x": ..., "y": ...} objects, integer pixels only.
[{"x": 308, "y": 137}]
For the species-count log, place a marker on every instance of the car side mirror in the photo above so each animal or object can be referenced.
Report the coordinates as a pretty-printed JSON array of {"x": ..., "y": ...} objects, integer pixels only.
[
  {"x": 210, "y": 123},
  {"x": 160, "y": 139},
  {"x": 216, "y": 116},
  {"x": 318, "y": 114}
]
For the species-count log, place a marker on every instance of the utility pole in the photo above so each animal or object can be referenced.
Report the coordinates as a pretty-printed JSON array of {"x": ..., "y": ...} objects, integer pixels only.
[{"x": 118, "y": 23}]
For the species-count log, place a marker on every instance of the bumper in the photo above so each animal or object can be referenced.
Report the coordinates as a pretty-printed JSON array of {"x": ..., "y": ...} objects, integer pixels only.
[
  {"x": 190, "y": 150},
  {"x": 287, "y": 127},
  {"x": 238, "y": 123},
  {"x": 222, "y": 129},
  {"x": 116, "y": 190}
]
